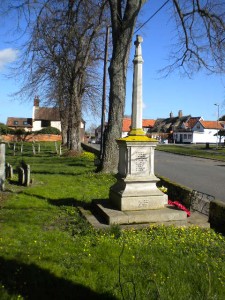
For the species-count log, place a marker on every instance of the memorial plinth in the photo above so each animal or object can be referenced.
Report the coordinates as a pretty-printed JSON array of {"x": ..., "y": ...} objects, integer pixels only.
[{"x": 136, "y": 188}]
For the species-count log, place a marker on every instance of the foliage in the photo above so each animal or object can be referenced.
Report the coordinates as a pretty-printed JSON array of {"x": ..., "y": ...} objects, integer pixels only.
[
  {"x": 4, "y": 129},
  {"x": 18, "y": 132},
  {"x": 49, "y": 130},
  {"x": 48, "y": 250}
]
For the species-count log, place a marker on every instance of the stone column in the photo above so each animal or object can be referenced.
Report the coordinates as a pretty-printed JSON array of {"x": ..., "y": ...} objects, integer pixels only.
[
  {"x": 136, "y": 118},
  {"x": 2, "y": 166}
]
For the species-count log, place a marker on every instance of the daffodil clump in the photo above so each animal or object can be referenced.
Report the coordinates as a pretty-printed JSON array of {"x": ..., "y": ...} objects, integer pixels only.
[{"x": 88, "y": 155}]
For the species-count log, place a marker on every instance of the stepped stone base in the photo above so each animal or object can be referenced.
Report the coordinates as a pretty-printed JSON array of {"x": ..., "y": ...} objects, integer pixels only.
[
  {"x": 167, "y": 214},
  {"x": 137, "y": 195}
]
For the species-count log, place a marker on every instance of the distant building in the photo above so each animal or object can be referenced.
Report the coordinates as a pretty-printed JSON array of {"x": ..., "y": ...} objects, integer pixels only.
[
  {"x": 45, "y": 116},
  {"x": 187, "y": 129},
  {"x": 19, "y": 123},
  {"x": 147, "y": 125},
  {"x": 41, "y": 117}
]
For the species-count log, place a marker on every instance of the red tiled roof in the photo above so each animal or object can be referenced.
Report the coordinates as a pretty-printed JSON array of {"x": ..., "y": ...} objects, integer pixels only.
[
  {"x": 211, "y": 124},
  {"x": 19, "y": 122},
  {"x": 145, "y": 123},
  {"x": 191, "y": 122},
  {"x": 47, "y": 113},
  {"x": 148, "y": 123}
]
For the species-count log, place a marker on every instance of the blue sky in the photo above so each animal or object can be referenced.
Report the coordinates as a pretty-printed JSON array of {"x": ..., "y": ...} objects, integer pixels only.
[{"x": 194, "y": 96}]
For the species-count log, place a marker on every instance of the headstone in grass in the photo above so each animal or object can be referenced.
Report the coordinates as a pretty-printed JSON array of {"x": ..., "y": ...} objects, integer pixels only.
[
  {"x": 27, "y": 175},
  {"x": 21, "y": 176},
  {"x": 2, "y": 167},
  {"x": 8, "y": 171}
]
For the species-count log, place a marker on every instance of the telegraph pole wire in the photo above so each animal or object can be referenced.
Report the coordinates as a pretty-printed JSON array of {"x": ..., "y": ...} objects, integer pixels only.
[{"x": 152, "y": 16}]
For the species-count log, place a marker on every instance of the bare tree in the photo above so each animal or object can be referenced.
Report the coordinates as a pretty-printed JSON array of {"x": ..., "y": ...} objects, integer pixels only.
[
  {"x": 201, "y": 36},
  {"x": 61, "y": 57}
]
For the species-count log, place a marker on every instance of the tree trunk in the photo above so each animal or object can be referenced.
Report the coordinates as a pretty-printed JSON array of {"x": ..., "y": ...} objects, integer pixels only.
[
  {"x": 73, "y": 140},
  {"x": 122, "y": 31}
]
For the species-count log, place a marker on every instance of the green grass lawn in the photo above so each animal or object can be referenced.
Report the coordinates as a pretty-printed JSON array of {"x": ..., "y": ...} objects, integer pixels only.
[
  {"x": 48, "y": 251},
  {"x": 195, "y": 150}
]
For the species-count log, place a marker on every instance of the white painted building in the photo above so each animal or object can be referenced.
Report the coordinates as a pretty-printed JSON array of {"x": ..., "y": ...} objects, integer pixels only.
[
  {"x": 206, "y": 132},
  {"x": 200, "y": 132},
  {"x": 45, "y": 116}
]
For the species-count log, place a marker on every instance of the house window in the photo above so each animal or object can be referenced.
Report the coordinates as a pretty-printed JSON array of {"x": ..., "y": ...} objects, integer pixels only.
[
  {"x": 25, "y": 123},
  {"x": 15, "y": 122},
  {"x": 45, "y": 123},
  {"x": 185, "y": 136},
  {"x": 189, "y": 136},
  {"x": 198, "y": 126}
]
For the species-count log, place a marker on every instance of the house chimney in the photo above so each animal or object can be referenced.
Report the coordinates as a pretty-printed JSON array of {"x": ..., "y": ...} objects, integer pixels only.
[
  {"x": 36, "y": 101},
  {"x": 171, "y": 114},
  {"x": 180, "y": 114}
]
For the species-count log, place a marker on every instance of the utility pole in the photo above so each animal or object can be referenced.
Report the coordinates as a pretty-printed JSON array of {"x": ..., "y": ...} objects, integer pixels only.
[{"x": 104, "y": 91}]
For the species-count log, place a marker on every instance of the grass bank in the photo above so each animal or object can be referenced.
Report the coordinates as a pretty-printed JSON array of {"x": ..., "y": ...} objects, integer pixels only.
[
  {"x": 48, "y": 251},
  {"x": 195, "y": 150}
]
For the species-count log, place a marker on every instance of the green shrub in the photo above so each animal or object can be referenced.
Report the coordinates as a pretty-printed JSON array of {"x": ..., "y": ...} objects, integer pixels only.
[
  {"x": 49, "y": 130},
  {"x": 4, "y": 129}
]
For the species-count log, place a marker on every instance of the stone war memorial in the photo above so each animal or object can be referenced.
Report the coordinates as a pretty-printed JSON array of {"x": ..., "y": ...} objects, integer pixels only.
[{"x": 135, "y": 198}]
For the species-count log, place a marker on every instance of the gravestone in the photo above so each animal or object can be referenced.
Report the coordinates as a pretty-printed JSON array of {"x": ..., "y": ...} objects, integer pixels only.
[
  {"x": 2, "y": 167},
  {"x": 8, "y": 171},
  {"x": 27, "y": 175},
  {"x": 21, "y": 176}
]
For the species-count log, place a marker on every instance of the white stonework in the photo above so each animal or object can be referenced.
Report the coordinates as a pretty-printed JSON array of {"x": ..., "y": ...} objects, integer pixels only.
[
  {"x": 2, "y": 166},
  {"x": 136, "y": 188},
  {"x": 136, "y": 118}
]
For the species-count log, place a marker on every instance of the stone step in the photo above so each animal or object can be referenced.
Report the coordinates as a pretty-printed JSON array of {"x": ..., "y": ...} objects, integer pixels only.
[{"x": 159, "y": 216}]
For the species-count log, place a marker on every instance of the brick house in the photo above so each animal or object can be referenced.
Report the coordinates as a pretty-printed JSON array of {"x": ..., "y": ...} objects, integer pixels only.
[
  {"x": 19, "y": 123},
  {"x": 41, "y": 117},
  {"x": 147, "y": 125},
  {"x": 45, "y": 116}
]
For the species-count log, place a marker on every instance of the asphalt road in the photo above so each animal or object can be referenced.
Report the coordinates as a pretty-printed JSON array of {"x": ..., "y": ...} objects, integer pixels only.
[{"x": 204, "y": 175}]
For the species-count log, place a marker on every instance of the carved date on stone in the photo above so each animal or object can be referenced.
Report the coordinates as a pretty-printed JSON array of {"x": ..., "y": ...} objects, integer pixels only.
[{"x": 143, "y": 203}]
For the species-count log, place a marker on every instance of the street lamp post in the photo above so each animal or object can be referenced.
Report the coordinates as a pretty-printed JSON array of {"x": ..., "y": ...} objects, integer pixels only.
[{"x": 218, "y": 115}]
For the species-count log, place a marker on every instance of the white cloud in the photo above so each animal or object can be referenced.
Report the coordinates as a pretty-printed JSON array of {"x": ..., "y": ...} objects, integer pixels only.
[{"x": 7, "y": 56}]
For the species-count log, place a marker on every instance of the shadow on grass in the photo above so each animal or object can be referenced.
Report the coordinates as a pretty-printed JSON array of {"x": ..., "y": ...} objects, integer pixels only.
[
  {"x": 59, "y": 202},
  {"x": 60, "y": 173},
  {"x": 32, "y": 282},
  {"x": 68, "y": 202}
]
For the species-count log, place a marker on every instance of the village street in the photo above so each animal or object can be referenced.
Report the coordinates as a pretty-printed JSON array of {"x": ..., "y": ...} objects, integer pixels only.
[{"x": 204, "y": 175}]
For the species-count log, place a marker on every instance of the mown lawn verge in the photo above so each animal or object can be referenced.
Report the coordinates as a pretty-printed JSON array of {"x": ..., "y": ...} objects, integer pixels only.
[
  {"x": 48, "y": 251},
  {"x": 195, "y": 150}
]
